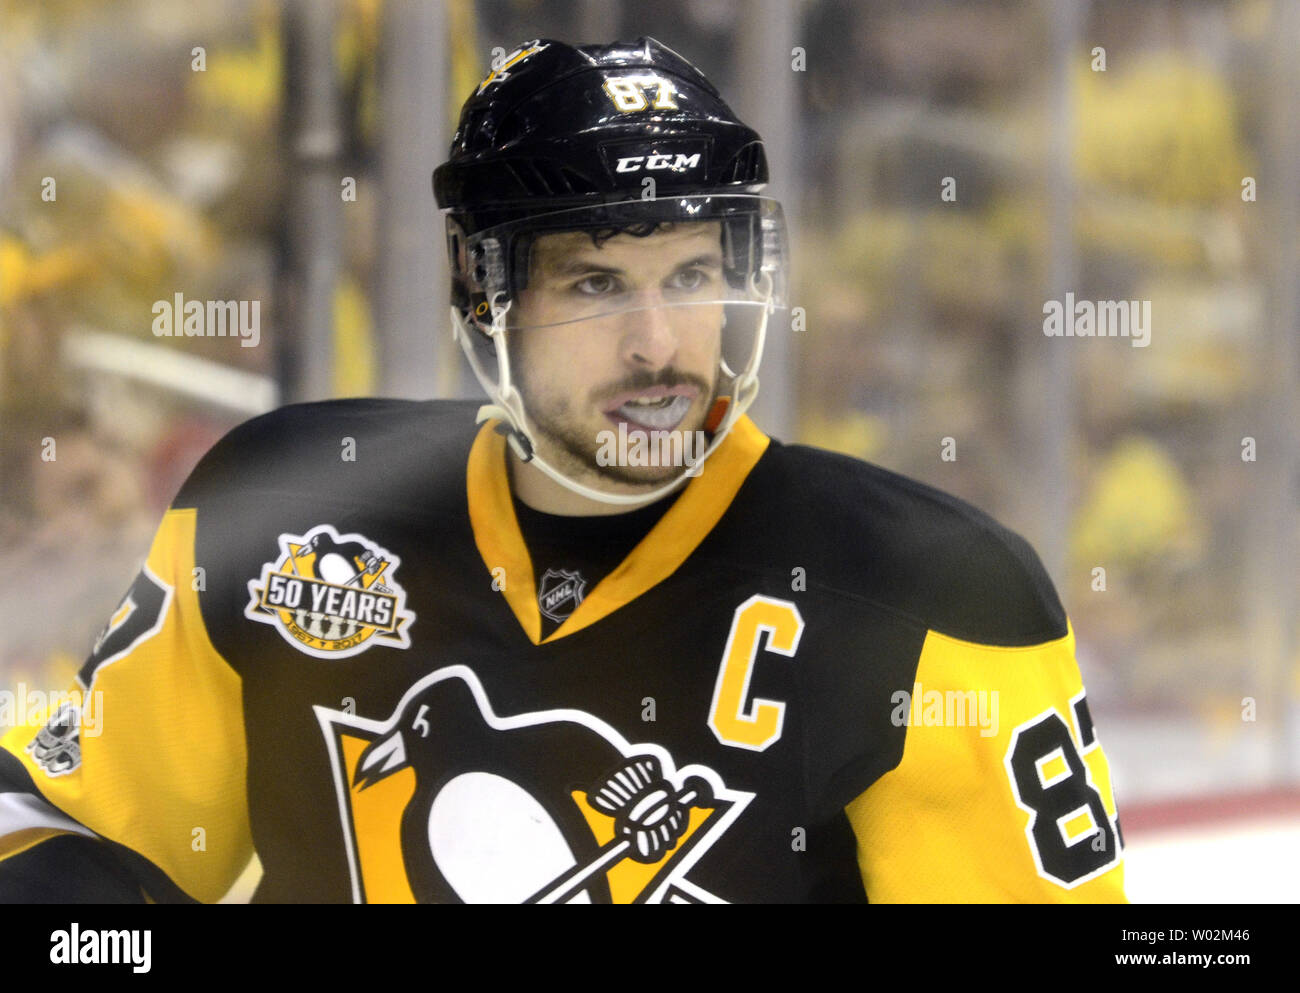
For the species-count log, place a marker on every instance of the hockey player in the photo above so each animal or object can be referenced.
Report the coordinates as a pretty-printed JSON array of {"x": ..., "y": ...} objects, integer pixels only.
[{"x": 609, "y": 644}]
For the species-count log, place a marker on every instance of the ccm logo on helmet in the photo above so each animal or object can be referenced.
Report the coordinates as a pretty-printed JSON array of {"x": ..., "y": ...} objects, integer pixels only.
[{"x": 657, "y": 161}]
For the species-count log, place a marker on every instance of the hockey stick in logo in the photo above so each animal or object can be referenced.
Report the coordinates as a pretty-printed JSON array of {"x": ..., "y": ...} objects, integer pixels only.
[{"x": 649, "y": 820}]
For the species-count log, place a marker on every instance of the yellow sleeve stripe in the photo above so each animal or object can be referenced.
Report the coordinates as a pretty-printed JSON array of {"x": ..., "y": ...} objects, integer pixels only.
[
  {"x": 166, "y": 774},
  {"x": 973, "y": 813}
]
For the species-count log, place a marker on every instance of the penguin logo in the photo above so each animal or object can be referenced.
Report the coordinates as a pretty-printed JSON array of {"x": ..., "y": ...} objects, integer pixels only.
[
  {"x": 332, "y": 595},
  {"x": 502, "y": 71},
  {"x": 447, "y": 802}
]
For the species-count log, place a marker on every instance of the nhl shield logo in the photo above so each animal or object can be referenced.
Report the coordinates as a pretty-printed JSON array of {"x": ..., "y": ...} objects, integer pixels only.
[
  {"x": 559, "y": 593},
  {"x": 332, "y": 595}
]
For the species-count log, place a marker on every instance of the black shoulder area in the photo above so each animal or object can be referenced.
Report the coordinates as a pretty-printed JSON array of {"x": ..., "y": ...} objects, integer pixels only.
[
  {"x": 365, "y": 450},
  {"x": 904, "y": 545},
  {"x": 67, "y": 868}
]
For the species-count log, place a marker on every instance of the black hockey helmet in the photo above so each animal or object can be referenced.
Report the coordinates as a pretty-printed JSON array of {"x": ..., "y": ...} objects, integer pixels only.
[{"x": 556, "y": 126}]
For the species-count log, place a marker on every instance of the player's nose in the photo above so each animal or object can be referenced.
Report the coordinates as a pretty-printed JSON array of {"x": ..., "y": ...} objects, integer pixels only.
[{"x": 649, "y": 338}]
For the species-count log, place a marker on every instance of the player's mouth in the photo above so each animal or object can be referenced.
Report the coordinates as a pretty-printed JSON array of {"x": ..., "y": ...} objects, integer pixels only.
[{"x": 660, "y": 408}]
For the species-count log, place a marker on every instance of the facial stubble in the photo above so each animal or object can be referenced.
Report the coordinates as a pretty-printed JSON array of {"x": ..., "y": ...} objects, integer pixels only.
[{"x": 576, "y": 448}]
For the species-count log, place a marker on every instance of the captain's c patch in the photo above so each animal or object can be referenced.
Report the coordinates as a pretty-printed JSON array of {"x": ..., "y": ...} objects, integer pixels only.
[{"x": 332, "y": 595}]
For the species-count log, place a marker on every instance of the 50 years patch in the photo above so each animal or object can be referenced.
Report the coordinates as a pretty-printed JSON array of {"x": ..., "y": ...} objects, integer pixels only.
[{"x": 332, "y": 595}]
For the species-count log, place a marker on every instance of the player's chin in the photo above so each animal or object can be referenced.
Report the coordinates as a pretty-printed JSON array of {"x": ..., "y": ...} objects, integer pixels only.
[
  {"x": 641, "y": 477},
  {"x": 639, "y": 456}
]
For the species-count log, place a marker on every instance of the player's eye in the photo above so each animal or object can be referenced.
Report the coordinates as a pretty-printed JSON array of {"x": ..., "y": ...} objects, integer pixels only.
[
  {"x": 691, "y": 279},
  {"x": 597, "y": 284}
]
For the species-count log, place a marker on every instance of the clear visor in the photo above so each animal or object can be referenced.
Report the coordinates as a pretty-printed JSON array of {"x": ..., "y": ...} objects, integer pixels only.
[{"x": 695, "y": 258}]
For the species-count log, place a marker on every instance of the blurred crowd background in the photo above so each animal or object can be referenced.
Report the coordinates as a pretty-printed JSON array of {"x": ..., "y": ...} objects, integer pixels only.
[{"x": 1119, "y": 150}]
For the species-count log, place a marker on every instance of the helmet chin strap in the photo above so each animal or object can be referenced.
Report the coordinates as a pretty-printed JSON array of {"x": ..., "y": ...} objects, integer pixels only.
[{"x": 508, "y": 406}]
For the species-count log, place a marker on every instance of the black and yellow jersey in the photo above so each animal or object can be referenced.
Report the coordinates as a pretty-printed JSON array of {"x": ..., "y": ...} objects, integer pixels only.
[{"x": 811, "y": 680}]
